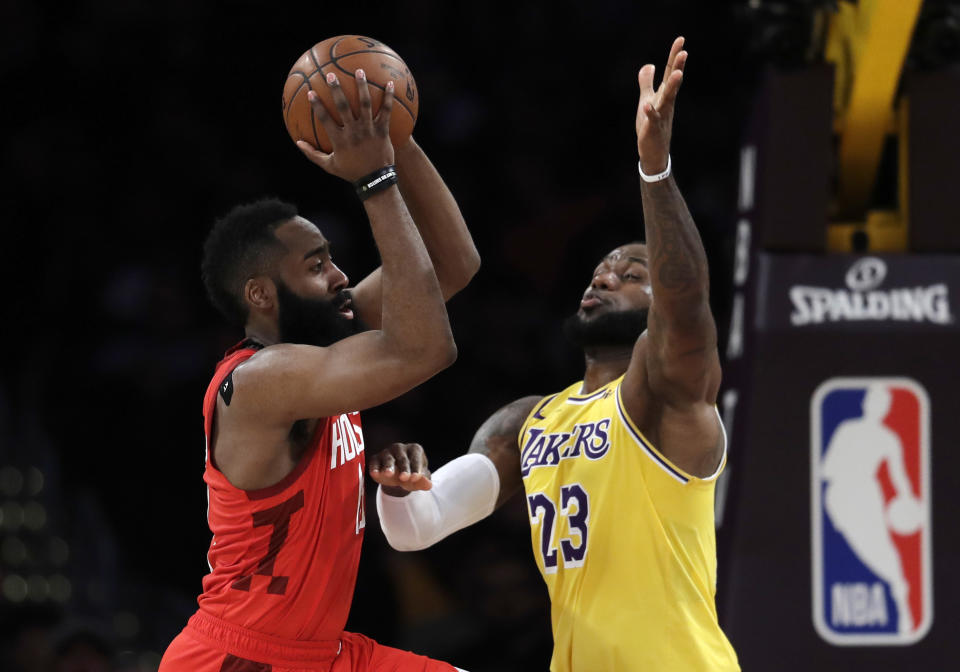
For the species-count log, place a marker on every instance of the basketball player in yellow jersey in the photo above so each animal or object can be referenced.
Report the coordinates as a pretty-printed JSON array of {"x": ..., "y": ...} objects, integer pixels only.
[{"x": 619, "y": 468}]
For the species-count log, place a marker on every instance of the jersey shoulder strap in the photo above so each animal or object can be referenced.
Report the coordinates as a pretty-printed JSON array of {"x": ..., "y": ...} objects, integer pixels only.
[{"x": 543, "y": 408}]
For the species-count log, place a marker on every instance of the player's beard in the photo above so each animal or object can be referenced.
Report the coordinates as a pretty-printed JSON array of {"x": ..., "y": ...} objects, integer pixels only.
[
  {"x": 314, "y": 321},
  {"x": 616, "y": 329}
]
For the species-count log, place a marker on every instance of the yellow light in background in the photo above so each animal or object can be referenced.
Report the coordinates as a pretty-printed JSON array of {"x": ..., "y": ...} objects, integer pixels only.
[
  {"x": 868, "y": 43},
  {"x": 884, "y": 230}
]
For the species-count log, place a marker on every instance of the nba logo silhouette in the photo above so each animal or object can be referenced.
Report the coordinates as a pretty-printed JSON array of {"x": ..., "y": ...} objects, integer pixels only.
[{"x": 870, "y": 491}]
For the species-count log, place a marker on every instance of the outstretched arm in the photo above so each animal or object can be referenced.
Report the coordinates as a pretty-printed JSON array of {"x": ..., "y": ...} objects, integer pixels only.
[
  {"x": 416, "y": 513},
  {"x": 676, "y": 368},
  {"x": 444, "y": 231}
]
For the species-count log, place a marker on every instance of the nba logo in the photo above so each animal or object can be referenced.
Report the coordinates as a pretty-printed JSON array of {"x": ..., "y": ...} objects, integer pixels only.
[{"x": 870, "y": 492}]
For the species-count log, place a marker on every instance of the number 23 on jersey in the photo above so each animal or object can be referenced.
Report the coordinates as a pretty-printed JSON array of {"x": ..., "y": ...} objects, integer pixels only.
[{"x": 575, "y": 509}]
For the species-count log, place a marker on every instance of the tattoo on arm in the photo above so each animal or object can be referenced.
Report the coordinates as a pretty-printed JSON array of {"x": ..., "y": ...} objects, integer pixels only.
[
  {"x": 681, "y": 359},
  {"x": 497, "y": 438},
  {"x": 678, "y": 260}
]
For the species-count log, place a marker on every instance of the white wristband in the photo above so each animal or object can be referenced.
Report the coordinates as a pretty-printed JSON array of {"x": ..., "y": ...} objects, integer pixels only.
[{"x": 654, "y": 178}]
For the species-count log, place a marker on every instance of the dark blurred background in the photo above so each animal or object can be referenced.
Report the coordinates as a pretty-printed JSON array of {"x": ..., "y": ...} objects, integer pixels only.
[{"x": 129, "y": 126}]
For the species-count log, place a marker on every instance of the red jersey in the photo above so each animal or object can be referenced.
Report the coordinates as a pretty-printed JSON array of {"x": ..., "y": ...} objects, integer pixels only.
[{"x": 283, "y": 559}]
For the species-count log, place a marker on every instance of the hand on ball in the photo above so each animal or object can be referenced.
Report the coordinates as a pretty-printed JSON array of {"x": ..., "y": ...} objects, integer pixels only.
[
  {"x": 342, "y": 55},
  {"x": 362, "y": 144}
]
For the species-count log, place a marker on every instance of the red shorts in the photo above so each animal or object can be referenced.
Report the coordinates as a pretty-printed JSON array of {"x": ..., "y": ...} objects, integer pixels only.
[{"x": 209, "y": 644}]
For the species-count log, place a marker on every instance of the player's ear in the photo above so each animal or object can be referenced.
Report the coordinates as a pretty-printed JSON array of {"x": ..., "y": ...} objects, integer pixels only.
[{"x": 259, "y": 292}]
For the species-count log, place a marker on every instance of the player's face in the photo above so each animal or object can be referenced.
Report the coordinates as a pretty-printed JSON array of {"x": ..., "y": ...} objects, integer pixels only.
[
  {"x": 314, "y": 305},
  {"x": 613, "y": 309},
  {"x": 621, "y": 282}
]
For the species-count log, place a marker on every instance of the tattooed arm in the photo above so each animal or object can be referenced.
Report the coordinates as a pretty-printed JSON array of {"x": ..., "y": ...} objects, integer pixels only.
[
  {"x": 671, "y": 385},
  {"x": 498, "y": 438},
  {"x": 683, "y": 365}
]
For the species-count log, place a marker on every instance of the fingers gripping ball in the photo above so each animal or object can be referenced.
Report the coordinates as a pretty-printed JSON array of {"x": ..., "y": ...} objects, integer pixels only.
[
  {"x": 343, "y": 55},
  {"x": 905, "y": 515}
]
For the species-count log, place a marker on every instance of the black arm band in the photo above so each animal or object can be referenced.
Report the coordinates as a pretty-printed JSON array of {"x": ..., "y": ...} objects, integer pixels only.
[{"x": 376, "y": 182}]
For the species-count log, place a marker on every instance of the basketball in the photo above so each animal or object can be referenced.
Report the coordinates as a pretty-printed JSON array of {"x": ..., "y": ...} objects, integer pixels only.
[
  {"x": 905, "y": 515},
  {"x": 343, "y": 55}
]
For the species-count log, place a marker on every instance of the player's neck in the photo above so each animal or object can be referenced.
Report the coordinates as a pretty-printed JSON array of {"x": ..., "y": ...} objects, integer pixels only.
[
  {"x": 604, "y": 365},
  {"x": 264, "y": 334}
]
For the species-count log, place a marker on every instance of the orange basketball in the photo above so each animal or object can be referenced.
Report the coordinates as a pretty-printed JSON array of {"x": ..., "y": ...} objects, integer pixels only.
[{"x": 343, "y": 55}]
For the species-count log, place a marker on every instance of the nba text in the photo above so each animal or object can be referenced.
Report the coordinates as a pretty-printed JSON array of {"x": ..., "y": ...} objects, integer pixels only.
[{"x": 858, "y": 604}]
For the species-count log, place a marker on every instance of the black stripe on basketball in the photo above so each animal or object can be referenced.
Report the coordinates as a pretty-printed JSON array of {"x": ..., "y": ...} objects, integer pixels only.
[
  {"x": 334, "y": 58},
  {"x": 375, "y": 85},
  {"x": 313, "y": 57},
  {"x": 391, "y": 54},
  {"x": 334, "y": 46},
  {"x": 306, "y": 78}
]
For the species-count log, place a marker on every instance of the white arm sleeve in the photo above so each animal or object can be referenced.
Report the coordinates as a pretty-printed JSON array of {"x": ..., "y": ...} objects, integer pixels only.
[{"x": 464, "y": 491}]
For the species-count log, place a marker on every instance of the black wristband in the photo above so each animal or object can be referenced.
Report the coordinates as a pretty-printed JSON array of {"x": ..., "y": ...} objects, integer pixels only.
[{"x": 376, "y": 182}]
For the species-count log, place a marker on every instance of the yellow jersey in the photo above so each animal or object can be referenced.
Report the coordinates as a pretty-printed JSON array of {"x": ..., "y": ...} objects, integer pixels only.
[{"x": 624, "y": 539}]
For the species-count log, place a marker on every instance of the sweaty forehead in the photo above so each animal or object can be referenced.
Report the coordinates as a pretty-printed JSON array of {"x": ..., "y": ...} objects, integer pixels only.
[
  {"x": 300, "y": 235},
  {"x": 630, "y": 252}
]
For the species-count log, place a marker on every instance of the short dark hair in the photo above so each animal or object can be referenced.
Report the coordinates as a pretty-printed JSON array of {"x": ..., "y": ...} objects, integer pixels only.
[{"x": 241, "y": 245}]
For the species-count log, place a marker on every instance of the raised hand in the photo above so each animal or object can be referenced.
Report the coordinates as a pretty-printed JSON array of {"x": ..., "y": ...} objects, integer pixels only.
[
  {"x": 655, "y": 110},
  {"x": 362, "y": 144},
  {"x": 400, "y": 467}
]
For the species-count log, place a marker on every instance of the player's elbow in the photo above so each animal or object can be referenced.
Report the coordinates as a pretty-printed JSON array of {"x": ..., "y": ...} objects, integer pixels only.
[
  {"x": 471, "y": 265},
  {"x": 440, "y": 354},
  {"x": 403, "y": 545},
  {"x": 449, "y": 354},
  {"x": 467, "y": 266},
  {"x": 426, "y": 356}
]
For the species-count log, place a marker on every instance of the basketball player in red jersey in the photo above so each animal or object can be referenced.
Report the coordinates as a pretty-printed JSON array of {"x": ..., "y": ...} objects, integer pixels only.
[{"x": 285, "y": 450}]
